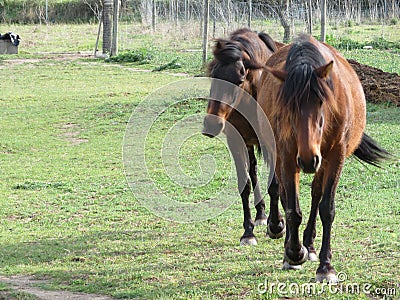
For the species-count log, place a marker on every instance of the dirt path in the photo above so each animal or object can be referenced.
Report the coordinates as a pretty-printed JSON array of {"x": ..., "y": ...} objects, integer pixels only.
[
  {"x": 28, "y": 285},
  {"x": 77, "y": 57}
]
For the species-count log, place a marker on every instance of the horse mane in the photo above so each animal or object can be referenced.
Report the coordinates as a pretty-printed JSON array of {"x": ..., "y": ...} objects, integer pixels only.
[
  {"x": 302, "y": 59},
  {"x": 242, "y": 40},
  {"x": 268, "y": 41},
  {"x": 248, "y": 40}
]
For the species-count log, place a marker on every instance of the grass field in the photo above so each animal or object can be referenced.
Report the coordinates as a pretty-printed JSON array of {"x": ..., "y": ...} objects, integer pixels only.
[{"x": 68, "y": 216}]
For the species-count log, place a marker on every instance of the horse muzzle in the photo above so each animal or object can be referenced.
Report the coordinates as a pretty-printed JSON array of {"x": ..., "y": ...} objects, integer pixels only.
[
  {"x": 213, "y": 125},
  {"x": 309, "y": 165}
]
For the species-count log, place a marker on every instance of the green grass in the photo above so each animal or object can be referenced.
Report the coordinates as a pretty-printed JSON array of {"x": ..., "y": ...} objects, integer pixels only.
[
  {"x": 175, "y": 50},
  {"x": 383, "y": 60},
  {"x": 68, "y": 215}
]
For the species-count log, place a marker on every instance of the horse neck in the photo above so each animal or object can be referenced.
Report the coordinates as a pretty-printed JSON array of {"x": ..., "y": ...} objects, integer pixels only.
[{"x": 252, "y": 82}]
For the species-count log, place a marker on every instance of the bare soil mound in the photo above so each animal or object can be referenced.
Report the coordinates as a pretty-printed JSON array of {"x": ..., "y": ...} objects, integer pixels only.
[{"x": 379, "y": 86}]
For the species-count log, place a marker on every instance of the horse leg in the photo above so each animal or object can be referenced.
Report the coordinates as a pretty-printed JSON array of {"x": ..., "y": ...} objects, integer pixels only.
[
  {"x": 286, "y": 265},
  {"x": 261, "y": 218},
  {"x": 295, "y": 252},
  {"x": 240, "y": 158},
  {"x": 276, "y": 222},
  {"x": 248, "y": 237},
  {"x": 325, "y": 270},
  {"x": 310, "y": 231}
]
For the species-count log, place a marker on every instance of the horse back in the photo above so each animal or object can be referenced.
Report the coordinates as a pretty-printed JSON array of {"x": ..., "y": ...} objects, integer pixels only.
[
  {"x": 348, "y": 108},
  {"x": 349, "y": 97}
]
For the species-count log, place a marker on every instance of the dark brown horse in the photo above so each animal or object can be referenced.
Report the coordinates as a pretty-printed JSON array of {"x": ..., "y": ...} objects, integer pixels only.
[
  {"x": 239, "y": 61},
  {"x": 316, "y": 107}
]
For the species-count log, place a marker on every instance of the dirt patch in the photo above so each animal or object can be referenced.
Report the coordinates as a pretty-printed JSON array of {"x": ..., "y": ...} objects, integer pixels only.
[
  {"x": 379, "y": 86},
  {"x": 44, "y": 56},
  {"x": 70, "y": 134},
  {"x": 29, "y": 285}
]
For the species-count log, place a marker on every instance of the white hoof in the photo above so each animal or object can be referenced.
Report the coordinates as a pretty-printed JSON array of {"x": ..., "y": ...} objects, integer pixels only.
[
  {"x": 287, "y": 266},
  {"x": 312, "y": 256},
  {"x": 248, "y": 241},
  {"x": 261, "y": 222},
  {"x": 329, "y": 278}
]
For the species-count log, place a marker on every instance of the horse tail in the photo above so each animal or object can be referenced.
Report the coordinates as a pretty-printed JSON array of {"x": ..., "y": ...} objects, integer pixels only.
[{"x": 370, "y": 152}]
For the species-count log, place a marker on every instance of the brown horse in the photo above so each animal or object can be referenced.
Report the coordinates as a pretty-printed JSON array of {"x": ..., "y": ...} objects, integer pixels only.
[
  {"x": 239, "y": 61},
  {"x": 316, "y": 107}
]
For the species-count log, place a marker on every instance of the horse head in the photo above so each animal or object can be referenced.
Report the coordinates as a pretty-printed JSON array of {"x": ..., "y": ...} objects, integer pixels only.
[
  {"x": 231, "y": 68},
  {"x": 305, "y": 92}
]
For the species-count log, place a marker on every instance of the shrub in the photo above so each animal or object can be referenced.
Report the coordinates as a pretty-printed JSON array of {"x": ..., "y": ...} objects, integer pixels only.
[
  {"x": 349, "y": 44},
  {"x": 349, "y": 23},
  {"x": 34, "y": 11},
  {"x": 142, "y": 56}
]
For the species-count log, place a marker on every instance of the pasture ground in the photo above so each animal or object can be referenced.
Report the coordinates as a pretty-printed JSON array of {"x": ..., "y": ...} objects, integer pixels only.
[{"x": 69, "y": 219}]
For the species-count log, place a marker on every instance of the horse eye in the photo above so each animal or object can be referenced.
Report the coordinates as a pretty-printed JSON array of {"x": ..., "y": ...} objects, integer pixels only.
[
  {"x": 246, "y": 63},
  {"x": 321, "y": 121}
]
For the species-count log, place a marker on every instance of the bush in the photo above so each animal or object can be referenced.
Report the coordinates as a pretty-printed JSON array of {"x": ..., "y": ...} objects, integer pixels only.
[
  {"x": 34, "y": 11},
  {"x": 349, "y": 44},
  {"x": 142, "y": 56},
  {"x": 349, "y": 23}
]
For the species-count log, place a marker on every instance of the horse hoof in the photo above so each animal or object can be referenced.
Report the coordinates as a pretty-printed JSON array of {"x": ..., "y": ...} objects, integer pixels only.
[
  {"x": 248, "y": 241},
  {"x": 287, "y": 266},
  {"x": 261, "y": 222},
  {"x": 329, "y": 277},
  {"x": 302, "y": 259},
  {"x": 312, "y": 256},
  {"x": 278, "y": 235}
]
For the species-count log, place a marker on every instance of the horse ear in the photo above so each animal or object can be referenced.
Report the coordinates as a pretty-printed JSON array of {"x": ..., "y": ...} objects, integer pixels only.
[
  {"x": 323, "y": 72},
  {"x": 218, "y": 44},
  {"x": 279, "y": 74}
]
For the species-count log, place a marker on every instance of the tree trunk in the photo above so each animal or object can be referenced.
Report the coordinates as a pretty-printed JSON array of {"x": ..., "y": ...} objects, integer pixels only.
[
  {"x": 323, "y": 21},
  {"x": 230, "y": 13},
  {"x": 214, "y": 18},
  {"x": 175, "y": 10},
  {"x": 186, "y": 4},
  {"x": 153, "y": 15},
  {"x": 283, "y": 14},
  {"x": 310, "y": 18},
  {"x": 250, "y": 4},
  {"x": 206, "y": 16},
  {"x": 114, "y": 47},
  {"x": 107, "y": 25}
]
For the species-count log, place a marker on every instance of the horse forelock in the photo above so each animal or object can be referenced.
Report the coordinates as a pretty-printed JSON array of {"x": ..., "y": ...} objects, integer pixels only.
[
  {"x": 225, "y": 52},
  {"x": 302, "y": 83},
  {"x": 243, "y": 44},
  {"x": 228, "y": 52},
  {"x": 254, "y": 47}
]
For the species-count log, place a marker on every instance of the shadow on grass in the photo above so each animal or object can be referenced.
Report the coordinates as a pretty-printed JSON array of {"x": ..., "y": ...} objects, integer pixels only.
[{"x": 144, "y": 264}]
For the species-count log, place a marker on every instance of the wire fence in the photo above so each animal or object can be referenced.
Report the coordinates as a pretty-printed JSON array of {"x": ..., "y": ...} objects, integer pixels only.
[{"x": 228, "y": 15}]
